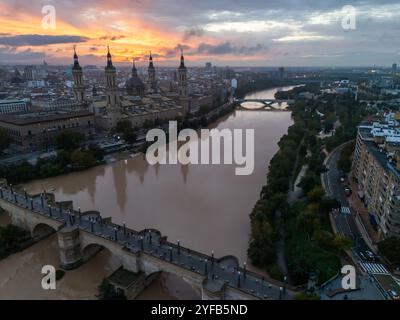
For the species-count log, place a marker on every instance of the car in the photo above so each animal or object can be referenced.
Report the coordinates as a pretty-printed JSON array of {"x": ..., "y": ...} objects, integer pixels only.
[
  {"x": 370, "y": 255},
  {"x": 394, "y": 295},
  {"x": 347, "y": 190}
]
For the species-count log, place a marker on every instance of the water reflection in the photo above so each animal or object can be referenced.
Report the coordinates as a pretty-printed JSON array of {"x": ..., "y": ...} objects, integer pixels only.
[{"x": 206, "y": 207}]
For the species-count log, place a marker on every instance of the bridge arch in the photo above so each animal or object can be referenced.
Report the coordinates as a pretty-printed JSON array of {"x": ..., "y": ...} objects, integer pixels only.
[
  {"x": 91, "y": 250},
  {"x": 42, "y": 230}
]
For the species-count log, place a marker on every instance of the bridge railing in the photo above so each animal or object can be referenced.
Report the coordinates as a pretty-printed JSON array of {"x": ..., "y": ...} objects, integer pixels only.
[{"x": 241, "y": 270}]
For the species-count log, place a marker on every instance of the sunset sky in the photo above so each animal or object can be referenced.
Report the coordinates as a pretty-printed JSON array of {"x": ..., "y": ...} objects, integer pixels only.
[{"x": 225, "y": 32}]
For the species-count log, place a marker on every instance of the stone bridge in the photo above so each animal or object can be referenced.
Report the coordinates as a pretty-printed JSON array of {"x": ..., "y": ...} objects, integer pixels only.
[{"x": 82, "y": 234}]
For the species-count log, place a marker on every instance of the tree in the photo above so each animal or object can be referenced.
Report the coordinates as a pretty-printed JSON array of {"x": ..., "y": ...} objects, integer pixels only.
[
  {"x": 344, "y": 162},
  {"x": 125, "y": 128},
  {"x": 96, "y": 151},
  {"x": 68, "y": 140},
  {"x": 82, "y": 159},
  {"x": 262, "y": 246},
  {"x": 341, "y": 242},
  {"x": 327, "y": 204},
  {"x": 316, "y": 194},
  {"x": 11, "y": 238},
  {"x": 4, "y": 139},
  {"x": 390, "y": 248}
]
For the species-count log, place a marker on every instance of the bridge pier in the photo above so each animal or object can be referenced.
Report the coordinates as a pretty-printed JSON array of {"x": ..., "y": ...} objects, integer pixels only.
[{"x": 70, "y": 248}]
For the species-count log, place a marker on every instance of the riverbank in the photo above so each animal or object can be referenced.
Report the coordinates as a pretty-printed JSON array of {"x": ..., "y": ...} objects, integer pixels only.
[{"x": 310, "y": 245}]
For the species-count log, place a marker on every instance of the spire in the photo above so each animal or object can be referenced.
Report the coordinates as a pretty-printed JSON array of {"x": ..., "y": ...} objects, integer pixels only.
[
  {"x": 109, "y": 60},
  {"x": 182, "y": 60},
  {"x": 151, "y": 65},
  {"x": 76, "y": 61},
  {"x": 134, "y": 70}
]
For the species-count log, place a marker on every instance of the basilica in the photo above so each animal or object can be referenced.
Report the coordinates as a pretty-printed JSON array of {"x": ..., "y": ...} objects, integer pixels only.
[{"x": 139, "y": 102}]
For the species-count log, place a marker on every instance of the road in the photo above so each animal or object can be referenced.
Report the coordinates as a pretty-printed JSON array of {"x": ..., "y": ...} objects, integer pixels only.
[
  {"x": 345, "y": 222},
  {"x": 218, "y": 271}
]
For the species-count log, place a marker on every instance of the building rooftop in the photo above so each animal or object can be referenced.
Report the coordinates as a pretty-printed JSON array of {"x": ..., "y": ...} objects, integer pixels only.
[{"x": 38, "y": 117}]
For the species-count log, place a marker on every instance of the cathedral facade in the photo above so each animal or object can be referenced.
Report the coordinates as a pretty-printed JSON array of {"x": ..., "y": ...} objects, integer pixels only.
[{"x": 140, "y": 104}]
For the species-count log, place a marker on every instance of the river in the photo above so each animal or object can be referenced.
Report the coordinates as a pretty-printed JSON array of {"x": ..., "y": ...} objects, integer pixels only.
[{"x": 206, "y": 207}]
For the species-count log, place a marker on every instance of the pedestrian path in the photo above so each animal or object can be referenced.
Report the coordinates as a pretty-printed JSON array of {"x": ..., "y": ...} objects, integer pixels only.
[{"x": 345, "y": 210}]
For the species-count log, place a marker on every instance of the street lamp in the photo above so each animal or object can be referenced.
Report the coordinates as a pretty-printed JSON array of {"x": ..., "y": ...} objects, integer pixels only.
[
  {"x": 205, "y": 267},
  {"x": 179, "y": 247},
  {"x": 50, "y": 213},
  {"x": 244, "y": 270}
]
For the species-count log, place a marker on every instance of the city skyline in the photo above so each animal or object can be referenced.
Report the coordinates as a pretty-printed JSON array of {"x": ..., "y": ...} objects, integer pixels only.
[{"x": 255, "y": 33}]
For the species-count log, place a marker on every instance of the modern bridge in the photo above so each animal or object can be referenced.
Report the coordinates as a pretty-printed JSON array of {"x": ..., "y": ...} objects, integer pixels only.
[
  {"x": 267, "y": 104},
  {"x": 82, "y": 234}
]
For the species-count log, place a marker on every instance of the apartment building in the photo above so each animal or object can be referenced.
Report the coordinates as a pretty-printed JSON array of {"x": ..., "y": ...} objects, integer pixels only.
[{"x": 376, "y": 168}]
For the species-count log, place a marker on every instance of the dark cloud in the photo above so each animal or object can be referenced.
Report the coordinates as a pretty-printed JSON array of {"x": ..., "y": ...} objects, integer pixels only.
[
  {"x": 38, "y": 40},
  {"x": 171, "y": 53},
  {"x": 26, "y": 56},
  {"x": 228, "y": 48},
  {"x": 192, "y": 32},
  {"x": 112, "y": 38}
]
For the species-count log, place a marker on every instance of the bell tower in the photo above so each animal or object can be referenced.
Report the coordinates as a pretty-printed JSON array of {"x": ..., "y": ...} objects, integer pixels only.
[
  {"x": 182, "y": 79},
  {"x": 112, "y": 93},
  {"x": 151, "y": 74},
  {"x": 78, "y": 88},
  {"x": 111, "y": 84}
]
